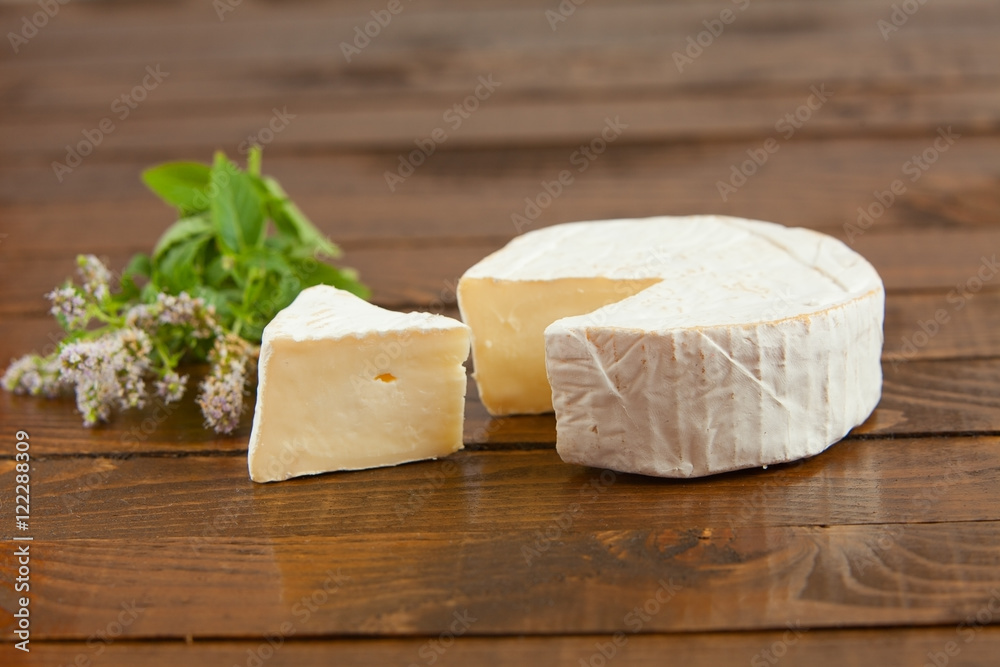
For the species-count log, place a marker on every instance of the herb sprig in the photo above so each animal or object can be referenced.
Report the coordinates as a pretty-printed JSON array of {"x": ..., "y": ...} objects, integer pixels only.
[
  {"x": 240, "y": 252},
  {"x": 220, "y": 248}
]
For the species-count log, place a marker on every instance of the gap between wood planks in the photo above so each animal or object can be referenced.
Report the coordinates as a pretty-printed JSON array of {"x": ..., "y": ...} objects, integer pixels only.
[
  {"x": 469, "y": 447},
  {"x": 821, "y": 647}
]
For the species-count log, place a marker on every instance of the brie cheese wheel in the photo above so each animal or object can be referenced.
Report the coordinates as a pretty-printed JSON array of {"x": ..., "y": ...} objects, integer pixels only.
[
  {"x": 346, "y": 385},
  {"x": 679, "y": 347}
]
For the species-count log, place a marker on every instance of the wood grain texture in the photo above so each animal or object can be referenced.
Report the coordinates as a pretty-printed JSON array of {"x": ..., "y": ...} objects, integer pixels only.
[
  {"x": 879, "y": 550},
  {"x": 943, "y": 396},
  {"x": 474, "y": 193},
  {"x": 507, "y": 491},
  {"x": 961, "y": 264},
  {"x": 606, "y": 48},
  {"x": 822, "y": 648},
  {"x": 946, "y": 397},
  {"x": 508, "y": 125},
  {"x": 413, "y": 583},
  {"x": 924, "y": 391},
  {"x": 935, "y": 325}
]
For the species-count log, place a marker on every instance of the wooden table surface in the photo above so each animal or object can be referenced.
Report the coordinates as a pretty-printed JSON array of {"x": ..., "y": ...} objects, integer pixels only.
[{"x": 152, "y": 547}]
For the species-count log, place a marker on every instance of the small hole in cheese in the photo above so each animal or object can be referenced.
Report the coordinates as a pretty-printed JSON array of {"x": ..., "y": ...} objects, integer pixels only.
[{"x": 386, "y": 377}]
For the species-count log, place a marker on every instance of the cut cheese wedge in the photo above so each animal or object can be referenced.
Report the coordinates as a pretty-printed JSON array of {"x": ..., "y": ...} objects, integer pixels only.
[
  {"x": 679, "y": 347},
  {"x": 346, "y": 385}
]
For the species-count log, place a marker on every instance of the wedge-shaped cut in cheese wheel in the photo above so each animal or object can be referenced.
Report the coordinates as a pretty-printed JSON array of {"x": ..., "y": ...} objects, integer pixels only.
[
  {"x": 346, "y": 385},
  {"x": 679, "y": 347}
]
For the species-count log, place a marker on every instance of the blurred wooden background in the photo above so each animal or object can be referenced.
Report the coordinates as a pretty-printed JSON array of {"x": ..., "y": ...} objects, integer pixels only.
[{"x": 877, "y": 552}]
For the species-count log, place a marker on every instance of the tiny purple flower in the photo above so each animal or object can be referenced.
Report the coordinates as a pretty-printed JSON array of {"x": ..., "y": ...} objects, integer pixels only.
[
  {"x": 70, "y": 306},
  {"x": 171, "y": 387},
  {"x": 96, "y": 277},
  {"x": 34, "y": 375}
]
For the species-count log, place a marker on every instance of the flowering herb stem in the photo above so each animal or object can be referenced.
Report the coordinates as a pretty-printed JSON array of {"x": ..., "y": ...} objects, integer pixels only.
[{"x": 239, "y": 252}]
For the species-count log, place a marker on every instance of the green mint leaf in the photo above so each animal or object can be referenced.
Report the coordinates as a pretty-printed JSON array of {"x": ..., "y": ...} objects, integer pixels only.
[
  {"x": 178, "y": 270},
  {"x": 222, "y": 206},
  {"x": 139, "y": 265},
  {"x": 250, "y": 210},
  {"x": 236, "y": 207},
  {"x": 266, "y": 260},
  {"x": 291, "y": 221},
  {"x": 149, "y": 291},
  {"x": 180, "y": 231},
  {"x": 181, "y": 184},
  {"x": 217, "y": 275},
  {"x": 220, "y": 298}
]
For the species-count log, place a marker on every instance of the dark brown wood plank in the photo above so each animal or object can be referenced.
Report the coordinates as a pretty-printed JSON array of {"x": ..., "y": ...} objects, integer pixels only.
[
  {"x": 821, "y": 648},
  {"x": 881, "y": 531},
  {"x": 899, "y": 480},
  {"x": 413, "y": 583},
  {"x": 313, "y": 84},
  {"x": 918, "y": 397},
  {"x": 603, "y": 46},
  {"x": 462, "y": 194},
  {"x": 503, "y": 124},
  {"x": 969, "y": 331},
  {"x": 943, "y": 396},
  {"x": 829, "y": 174},
  {"x": 961, "y": 263},
  {"x": 674, "y": 118},
  {"x": 960, "y": 322}
]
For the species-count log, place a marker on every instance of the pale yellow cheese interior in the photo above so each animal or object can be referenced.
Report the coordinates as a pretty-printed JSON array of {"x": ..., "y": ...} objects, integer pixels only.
[
  {"x": 508, "y": 320},
  {"x": 373, "y": 400}
]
